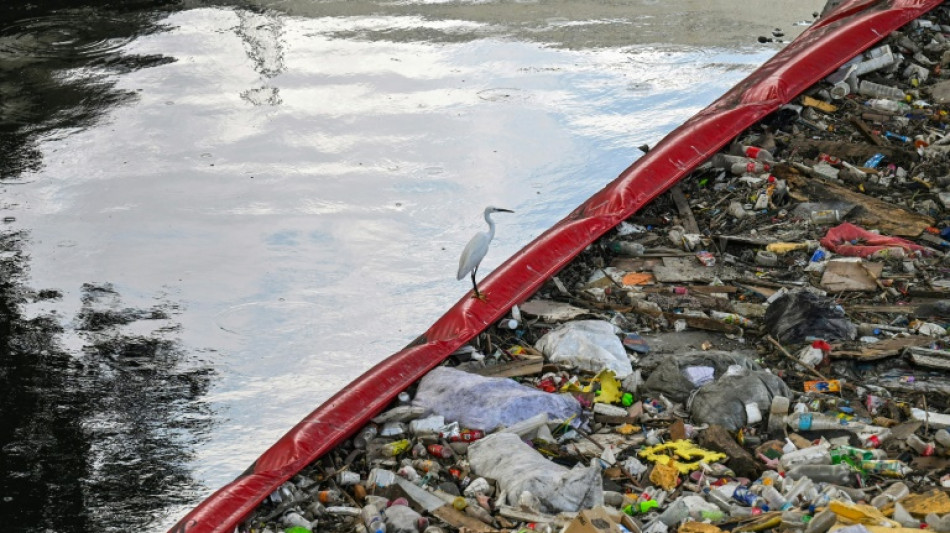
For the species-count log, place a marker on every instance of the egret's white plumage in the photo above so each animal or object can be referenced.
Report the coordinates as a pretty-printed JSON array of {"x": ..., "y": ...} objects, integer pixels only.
[{"x": 476, "y": 248}]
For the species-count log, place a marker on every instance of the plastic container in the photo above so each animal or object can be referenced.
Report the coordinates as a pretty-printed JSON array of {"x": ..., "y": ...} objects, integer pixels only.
[
  {"x": 746, "y": 497},
  {"x": 766, "y": 258},
  {"x": 823, "y": 473},
  {"x": 392, "y": 449},
  {"x": 844, "y": 453},
  {"x": 754, "y": 152},
  {"x": 749, "y": 167},
  {"x": 799, "y": 487},
  {"x": 826, "y": 216},
  {"x": 886, "y": 59},
  {"x": 876, "y": 90},
  {"x": 892, "y": 494},
  {"x": 876, "y": 439}
]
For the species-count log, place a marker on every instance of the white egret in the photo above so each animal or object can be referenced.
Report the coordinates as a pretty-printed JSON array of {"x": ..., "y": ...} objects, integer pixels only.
[{"x": 476, "y": 248}]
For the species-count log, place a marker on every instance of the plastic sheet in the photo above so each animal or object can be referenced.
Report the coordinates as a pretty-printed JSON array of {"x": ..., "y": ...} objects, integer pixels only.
[
  {"x": 729, "y": 401},
  {"x": 851, "y": 240},
  {"x": 518, "y": 468},
  {"x": 478, "y": 402},
  {"x": 837, "y": 37},
  {"x": 798, "y": 315}
]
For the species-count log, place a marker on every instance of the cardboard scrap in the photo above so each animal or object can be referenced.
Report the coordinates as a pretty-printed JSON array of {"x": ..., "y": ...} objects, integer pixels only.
[
  {"x": 844, "y": 275},
  {"x": 631, "y": 279},
  {"x": 551, "y": 311},
  {"x": 596, "y": 520}
]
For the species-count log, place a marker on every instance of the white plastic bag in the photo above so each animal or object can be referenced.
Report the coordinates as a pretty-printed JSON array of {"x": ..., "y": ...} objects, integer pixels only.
[
  {"x": 590, "y": 345},
  {"x": 518, "y": 468}
]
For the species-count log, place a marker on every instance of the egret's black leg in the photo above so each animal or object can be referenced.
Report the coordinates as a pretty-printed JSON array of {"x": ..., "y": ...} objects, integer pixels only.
[{"x": 474, "y": 284}]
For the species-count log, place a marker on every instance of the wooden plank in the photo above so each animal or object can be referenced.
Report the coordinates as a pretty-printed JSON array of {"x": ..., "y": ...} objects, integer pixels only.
[
  {"x": 682, "y": 205},
  {"x": 869, "y": 213},
  {"x": 455, "y": 518},
  {"x": 524, "y": 367},
  {"x": 701, "y": 322},
  {"x": 865, "y": 130},
  {"x": 881, "y": 349}
]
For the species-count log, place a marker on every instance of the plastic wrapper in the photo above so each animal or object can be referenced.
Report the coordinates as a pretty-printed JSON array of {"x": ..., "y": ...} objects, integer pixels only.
[
  {"x": 477, "y": 402},
  {"x": 518, "y": 468},
  {"x": 732, "y": 400},
  {"x": 678, "y": 376},
  {"x": 851, "y": 240},
  {"x": 587, "y": 344},
  {"x": 800, "y": 314}
]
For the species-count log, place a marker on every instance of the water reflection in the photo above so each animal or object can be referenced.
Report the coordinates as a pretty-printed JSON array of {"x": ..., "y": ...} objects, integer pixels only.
[{"x": 101, "y": 410}]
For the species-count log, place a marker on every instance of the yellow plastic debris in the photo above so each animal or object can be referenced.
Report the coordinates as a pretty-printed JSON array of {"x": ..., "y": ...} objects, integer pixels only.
[
  {"x": 785, "y": 247},
  {"x": 628, "y": 429},
  {"x": 665, "y": 476},
  {"x": 919, "y": 505},
  {"x": 856, "y": 513},
  {"x": 818, "y": 104},
  {"x": 610, "y": 391},
  {"x": 690, "y": 454}
]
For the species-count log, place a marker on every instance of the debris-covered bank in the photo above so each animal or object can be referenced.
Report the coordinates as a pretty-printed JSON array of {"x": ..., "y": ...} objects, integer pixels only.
[{"x": 759, "y": 348}]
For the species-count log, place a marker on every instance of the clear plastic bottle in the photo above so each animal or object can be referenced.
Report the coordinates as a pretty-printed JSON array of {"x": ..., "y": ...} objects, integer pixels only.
[
  {"x": 798, "y": 488},
  {"x": 821, "y": 522},
  {"x": 826, "y": 473},
  {"x": 876, "y": 439},
  {"x": 892, "y": 494},
  {"x": 876, "y": 90},
  {"x": 891, "y": 106},
  {"x": 814, "y": 455},
  {"x": 819, "y": 422},
  {"x": 775, "y": 499}
]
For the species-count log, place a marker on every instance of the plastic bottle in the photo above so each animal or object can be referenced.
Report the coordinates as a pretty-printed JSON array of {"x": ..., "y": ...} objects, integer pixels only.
[
  {"x": 820, "y": 422},
  {"x": 918, "y": 445},
  {"x": 891, "y": 106},
  {"x": 626, "y": 248},
  {"x": 731, "y": 318},
  {"x": 821, "y": 522},
  {"x": 797, "y": 489},
  {"x": 886, "y": 467},
  {"x": 824, "y": 473},
  {"x": 885, "y": 59},
  {"x": 437, "y": 450},
  {"x": 943, "y": 438},
  {"x": 372, "y": 519},
  {"x": 754, "y": 152},
  {"x": 845, "y": 453},
  {"x": 747, "y": 497},
  {"x": 774, "y": 498},
  {"x": 876, "y": 90},
  {"x": 813, "y": 455},
  {"x": 400, "y": 518},
  {"x": 392, "y": 449},
  {"x": 875, "y": 439},
  {"x": 826, "y": 216},
  {"x": 329, "y": 496},
  {"x": 749, "y": 167},
  {"x": 892, "y": 494}
]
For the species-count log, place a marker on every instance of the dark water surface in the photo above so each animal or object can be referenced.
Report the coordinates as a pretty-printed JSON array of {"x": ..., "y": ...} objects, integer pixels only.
[{"x": 217, "y": 214}]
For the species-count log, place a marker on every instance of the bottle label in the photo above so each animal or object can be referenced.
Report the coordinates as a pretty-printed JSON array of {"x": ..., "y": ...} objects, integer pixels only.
[{"x": 804, "y": 422}]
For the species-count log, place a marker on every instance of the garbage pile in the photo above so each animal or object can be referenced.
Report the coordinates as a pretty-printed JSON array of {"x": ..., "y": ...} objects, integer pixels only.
[{"x": 762, "y": 347}]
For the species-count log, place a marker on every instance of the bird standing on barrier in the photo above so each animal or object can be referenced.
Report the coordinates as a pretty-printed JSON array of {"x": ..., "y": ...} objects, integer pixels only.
[{"x": 476, "y": 248}]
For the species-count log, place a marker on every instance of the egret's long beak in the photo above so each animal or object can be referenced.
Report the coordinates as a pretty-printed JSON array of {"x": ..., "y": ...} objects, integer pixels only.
[{"x": 504, "y": 210}]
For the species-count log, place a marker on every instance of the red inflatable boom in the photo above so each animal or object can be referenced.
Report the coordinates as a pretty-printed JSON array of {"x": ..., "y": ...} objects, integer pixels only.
[{"x": 837, "y": 37}]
